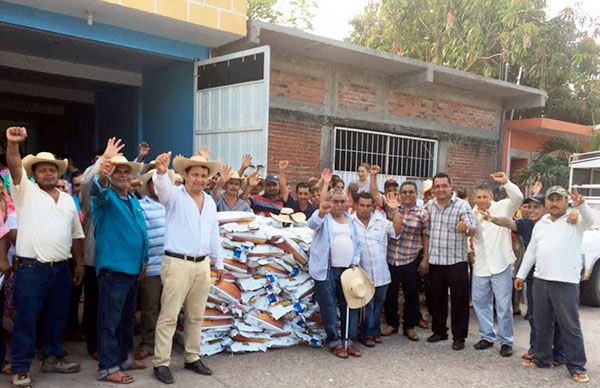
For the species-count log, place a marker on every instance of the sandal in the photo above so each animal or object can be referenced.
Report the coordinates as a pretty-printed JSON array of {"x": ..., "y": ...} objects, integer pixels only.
[
  {"x": 6, "y": 368},
  {"x": 530, "y": 364},
  {"x": 528, "y": 356},
  {"x": 353, "y": 351},
  {"x": 136, "y": 365},
  {"x": 119, "y": 377},
  {"x": 339, "y": 351},
  {"x": 580, "y": 377},
  {"x": 142, "y": 353}
]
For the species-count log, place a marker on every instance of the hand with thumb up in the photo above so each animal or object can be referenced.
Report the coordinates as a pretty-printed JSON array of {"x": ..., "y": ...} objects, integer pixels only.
[{"x": 462, "y": 226}]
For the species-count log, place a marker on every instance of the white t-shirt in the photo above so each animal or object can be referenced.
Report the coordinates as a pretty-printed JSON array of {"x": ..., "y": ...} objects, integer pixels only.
[
  {"x": 342, "y": 249},
  {"x": 46, "y": 227}
]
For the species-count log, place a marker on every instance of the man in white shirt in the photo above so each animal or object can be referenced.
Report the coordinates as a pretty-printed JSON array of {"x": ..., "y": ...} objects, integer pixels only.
[
  {"x": 191, "y": 236},
  {"x": 49, "y": 228},
  {"x": 555, "y": 250},
  {"x": 492, "y": 267}
]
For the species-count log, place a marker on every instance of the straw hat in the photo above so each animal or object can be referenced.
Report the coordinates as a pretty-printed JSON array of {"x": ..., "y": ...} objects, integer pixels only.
[
  {"x": 287, "y": 216},
  {"x": 358, "y": 288},
  {"x": 181, "y": 163},
  {"x": 43, "y": 157},
  {"x": 148, "y": 175},
  {"x": 148, "y": 166},
  {"x": 178, "y": 178},
  {"x": 427, "y": 185},
  {"x": 120, "y": 160}
]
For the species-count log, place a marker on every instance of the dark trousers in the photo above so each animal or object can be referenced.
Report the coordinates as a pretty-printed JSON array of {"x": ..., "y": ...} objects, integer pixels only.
[
  {"x": 558, "y": 351},
  {"x": 2, "y": 344},
  {"x": 330, "y": 297},
  {"x": 73, "y": 325},
  {"x": 558, "y": 302},
  {"x": 90, "y": 309},
  {"x": 406, "y": 276},
  {"x": 116, "y": 316},
  {"x": 456, "y": 278},
  {"x": 150, "y": 291},
  {"x": 40, "y": 292}
]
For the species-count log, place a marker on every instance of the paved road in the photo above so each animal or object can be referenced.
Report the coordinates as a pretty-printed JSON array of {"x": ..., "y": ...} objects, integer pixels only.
[{"x": 396, "y": 362}]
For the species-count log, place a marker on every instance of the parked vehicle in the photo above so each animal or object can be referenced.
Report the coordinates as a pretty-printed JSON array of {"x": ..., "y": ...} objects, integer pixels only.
[{"x": 585, "y": 176}]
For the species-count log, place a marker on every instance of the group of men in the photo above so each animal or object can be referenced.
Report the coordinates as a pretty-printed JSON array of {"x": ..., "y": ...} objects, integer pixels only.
[{"x": 132, "y": 229}]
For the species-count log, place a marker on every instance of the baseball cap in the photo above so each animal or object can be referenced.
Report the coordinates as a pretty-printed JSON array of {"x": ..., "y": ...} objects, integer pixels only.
[
  {"x": 390, "y": 182},
  {"x": 557, "y": 190},
  {"x": 271, "y": 178},
  {"x": 538, "y": 198}
]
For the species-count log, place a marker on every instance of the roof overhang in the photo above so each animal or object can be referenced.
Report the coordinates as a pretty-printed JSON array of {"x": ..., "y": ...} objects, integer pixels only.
[
  {"x": 402, "y": 70},
  {"x": 550, "y": 127},
  {"x": 133, "y": 19}
]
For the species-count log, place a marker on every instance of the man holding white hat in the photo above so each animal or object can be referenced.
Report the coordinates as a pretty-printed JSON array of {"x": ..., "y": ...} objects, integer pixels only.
[
  {"x": 121, "y": 253},
  {"x": 49, "y": 227},
  {"x": 191, "y": 239},
  {"x": 335, "y": 248}
]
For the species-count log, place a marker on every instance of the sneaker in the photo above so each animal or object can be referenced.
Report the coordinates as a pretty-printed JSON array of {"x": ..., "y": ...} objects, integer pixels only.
[
  {"x": 59, "y": 364},
  {"x": 506, "y": 350},
  {"x": 437, "y": 338},
  {"x": 483, "y": 344},
  {"x": 458, "y": 344},
  {"x": 21, "y": 379}
]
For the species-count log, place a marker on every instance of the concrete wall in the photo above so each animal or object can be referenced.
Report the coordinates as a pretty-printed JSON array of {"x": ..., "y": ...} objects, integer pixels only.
[
  {"x": 168, "y": 109},
  {"x": 309, "y": 98}
]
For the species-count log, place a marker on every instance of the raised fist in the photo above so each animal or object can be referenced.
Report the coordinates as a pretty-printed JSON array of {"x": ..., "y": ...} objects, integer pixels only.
[
  {"x": 162, "y": 162},
  {"x": 16, "y": 134}
]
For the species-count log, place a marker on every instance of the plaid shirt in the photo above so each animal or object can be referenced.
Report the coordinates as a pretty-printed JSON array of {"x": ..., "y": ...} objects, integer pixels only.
[
  {"x": 446, "y": 245},
  {"x": 404, "y": 249}
]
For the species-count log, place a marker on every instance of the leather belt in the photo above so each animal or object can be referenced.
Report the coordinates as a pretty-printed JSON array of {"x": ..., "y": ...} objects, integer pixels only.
[
  {"x": 195, "y": 259},
  {"x": 30, "y": 260}
]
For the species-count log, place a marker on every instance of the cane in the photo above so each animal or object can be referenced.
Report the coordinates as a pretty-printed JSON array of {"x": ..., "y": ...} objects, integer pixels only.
[{"x": 346, "y": 331}]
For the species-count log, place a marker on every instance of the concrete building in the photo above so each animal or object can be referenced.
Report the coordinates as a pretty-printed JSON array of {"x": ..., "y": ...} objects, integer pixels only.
[
  {"x": 335, "y": 104},
  {"x": 524, "y": 137},
  {"x": 78, "y": 71}
]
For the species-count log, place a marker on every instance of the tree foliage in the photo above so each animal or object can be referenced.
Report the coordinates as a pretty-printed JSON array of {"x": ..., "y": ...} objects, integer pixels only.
[
  {"x": 293, "y": 13},
  {"x": 480, "y": 36}
]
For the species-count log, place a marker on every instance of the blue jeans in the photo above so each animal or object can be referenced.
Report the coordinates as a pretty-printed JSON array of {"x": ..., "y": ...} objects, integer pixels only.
[
  {"x": 372, "y": 323},
  {"x": 330, "y": 297},
  {"x": 558, "y": 302},
  {"x": 484, "y": 290},
  {"x": 40, "y": 292},
  {"x": 558, "y": 351},
  {"x": 116, "y": 315}
]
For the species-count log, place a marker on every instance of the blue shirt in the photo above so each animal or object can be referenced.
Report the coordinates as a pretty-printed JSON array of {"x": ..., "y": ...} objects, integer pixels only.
[
  {"x": 119, "y": 230},
  {"x": 154, "y": 213},
  {"x": 320, "y": 249}
]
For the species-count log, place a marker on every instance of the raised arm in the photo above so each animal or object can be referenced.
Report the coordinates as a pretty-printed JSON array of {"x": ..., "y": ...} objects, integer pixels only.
[
  {"x": 246, "y": 162},
  {"x": 515, "y": 196},
  {"x": 397, "y": 217},
  {"x": 162, "y": 185},
  {"x": 283, "y": 184},
  {"x": 326, "y": 177},
  {"x": 14, "y": 137},
  {"x": 587, "y": 215},
  {"x": 223, "y": 179},
  {"x": 377, "y": 197}
]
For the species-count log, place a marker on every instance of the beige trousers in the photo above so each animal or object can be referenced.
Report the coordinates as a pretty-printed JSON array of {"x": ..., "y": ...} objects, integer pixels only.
[{"x": 184, "y": 284}]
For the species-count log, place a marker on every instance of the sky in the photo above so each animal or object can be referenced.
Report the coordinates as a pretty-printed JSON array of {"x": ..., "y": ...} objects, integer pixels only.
[{"x": 332, "y": 19}]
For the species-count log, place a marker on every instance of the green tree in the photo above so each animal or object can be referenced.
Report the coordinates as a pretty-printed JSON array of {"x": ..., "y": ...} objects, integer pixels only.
[
  {"x": 293, "y": 13},
  {"x": 481, "y": 35}
]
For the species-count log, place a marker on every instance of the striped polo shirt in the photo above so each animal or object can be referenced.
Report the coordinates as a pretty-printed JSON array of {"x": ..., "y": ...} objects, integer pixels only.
[{"x": 154, "y": 213}]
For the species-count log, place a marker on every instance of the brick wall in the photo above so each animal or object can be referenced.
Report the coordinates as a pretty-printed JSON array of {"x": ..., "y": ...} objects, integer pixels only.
[
  {"x": 470, "y": 162},
  {"x": 354, "y": 96},
  {"x": 299, "y": 142},
  {"x": 444, "y": 111},
  {"x": 297, "y": 87}
]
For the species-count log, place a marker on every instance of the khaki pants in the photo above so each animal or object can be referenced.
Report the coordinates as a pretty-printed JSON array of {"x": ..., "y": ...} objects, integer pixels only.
[{"x": 184, "y": 284}]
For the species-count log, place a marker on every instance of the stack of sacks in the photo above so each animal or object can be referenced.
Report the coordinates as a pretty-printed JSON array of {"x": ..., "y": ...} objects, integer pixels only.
[{"x": 266, "y": 298}]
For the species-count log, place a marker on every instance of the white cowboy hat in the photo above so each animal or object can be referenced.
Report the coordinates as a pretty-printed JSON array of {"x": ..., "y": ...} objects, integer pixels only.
[
  {"x": 43, "y": 157},
  {"x": 287, "y": 216},
  {"x": 178, "y": 178},
  {"x": 120, "y": 160},
  {"x": 148, "y": 175},
  {"x": 148, "y": 166},
  {"x": 181, "y": 163},
  {"x": 236, "y": 175},
  {"x": 427, "y": 185},
  {"x": 358, "y": 288}
]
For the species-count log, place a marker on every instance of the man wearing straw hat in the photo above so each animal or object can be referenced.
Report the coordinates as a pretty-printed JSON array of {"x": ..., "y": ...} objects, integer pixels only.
[
  {"x": 191, "y": 239},
  {"x": 335, "y": 247},
  {"x": 150, "y": 286},
  {"x": 229, "y": 198},
  {"x": 49, "y": 226},
  {"x": 121, "y": 253}
]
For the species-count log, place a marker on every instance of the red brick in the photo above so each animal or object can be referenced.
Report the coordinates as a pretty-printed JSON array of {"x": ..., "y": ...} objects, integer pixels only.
[
  {"x": 297, "y": 87},
  {"x": 470, "y": 163},
  {"x": 354, "y": 96},
  {"x": 400, "y": 104}
]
